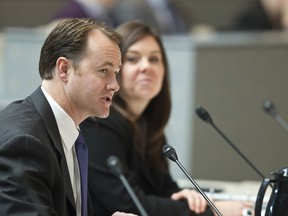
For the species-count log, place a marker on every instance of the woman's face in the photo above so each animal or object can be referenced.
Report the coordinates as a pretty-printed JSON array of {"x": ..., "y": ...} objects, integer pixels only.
[{"x": 142, "y": 71}]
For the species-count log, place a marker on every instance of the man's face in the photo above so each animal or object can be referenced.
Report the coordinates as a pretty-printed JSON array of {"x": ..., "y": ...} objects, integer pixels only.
[{"x": 91, "y": 86}]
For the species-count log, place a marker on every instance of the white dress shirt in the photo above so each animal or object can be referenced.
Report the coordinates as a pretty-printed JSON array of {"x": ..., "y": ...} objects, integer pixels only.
[{"x": 69, "y": 133}]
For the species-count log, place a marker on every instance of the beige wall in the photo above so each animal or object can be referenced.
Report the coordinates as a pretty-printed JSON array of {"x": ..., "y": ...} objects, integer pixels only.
[{"x": 232, "y": 84}]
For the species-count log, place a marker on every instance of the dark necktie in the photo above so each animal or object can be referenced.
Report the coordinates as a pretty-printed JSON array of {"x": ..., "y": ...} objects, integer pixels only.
[{"x": 82, "y": 156}]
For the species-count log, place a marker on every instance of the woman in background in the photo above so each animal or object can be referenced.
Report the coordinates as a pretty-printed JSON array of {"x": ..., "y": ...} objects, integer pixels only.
[{"x": 134, "y": 132}]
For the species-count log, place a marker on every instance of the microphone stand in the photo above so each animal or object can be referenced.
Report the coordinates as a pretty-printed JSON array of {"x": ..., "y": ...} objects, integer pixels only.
[
  {"x": 237, "y": 150},
  {"x": 270, "y": 109},
  {"x": 170, "y": 153},
  {"x": 204, "y": 115},
  {"x": 133, "y": 196},
  {"x": 198, "y": 188},
  {"x": 115, "y": 165}
]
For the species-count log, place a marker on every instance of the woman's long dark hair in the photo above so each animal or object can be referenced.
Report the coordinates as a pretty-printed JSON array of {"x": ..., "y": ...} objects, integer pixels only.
[{"x": 149, "y": 128}]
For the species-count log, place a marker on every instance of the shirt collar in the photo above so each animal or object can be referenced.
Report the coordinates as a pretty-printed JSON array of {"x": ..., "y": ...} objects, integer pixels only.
[{"x": 67, "y": 128}]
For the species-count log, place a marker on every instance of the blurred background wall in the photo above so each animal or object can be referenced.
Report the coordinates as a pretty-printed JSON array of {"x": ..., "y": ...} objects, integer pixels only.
[{"x": 29, "y": 13}]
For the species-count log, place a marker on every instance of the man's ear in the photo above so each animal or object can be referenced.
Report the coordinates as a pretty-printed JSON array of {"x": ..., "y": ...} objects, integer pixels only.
[{"x": 62, "y": 67}]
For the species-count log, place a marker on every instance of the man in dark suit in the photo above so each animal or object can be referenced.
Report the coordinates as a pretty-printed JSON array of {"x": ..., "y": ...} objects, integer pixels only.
[{"x": 39, "y": 173}]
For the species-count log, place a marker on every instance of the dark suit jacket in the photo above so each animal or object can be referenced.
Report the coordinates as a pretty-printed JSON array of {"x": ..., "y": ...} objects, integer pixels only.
[
  {"x": 34, "y": 177},
  {"x": 114, "y": 136}
]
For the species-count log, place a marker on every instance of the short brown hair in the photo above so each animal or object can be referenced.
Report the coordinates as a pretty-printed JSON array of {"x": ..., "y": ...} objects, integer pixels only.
[{"x": 68, "y": 39}]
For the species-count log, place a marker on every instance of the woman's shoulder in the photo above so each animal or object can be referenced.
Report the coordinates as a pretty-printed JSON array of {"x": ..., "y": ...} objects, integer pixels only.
[{"x": 114, "y": 120}]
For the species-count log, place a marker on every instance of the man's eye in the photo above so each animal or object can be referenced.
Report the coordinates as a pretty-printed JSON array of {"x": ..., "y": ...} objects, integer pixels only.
[{"x": 104, "y": 71}]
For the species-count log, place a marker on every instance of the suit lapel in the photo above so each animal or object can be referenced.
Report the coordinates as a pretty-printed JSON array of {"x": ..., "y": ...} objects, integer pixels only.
[{"x": 44, "y": 109}]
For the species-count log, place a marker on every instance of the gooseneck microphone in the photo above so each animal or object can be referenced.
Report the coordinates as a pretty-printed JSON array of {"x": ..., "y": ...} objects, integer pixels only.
[
  {"x": 269, "y": 107},
  {"x": 170, "y": 153},
  {"x": 205, "y": 116},
  {"x": 115, "y": 165}
]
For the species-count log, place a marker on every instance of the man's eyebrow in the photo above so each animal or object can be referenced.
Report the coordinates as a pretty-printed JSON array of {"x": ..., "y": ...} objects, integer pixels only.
[
  {"x": 107, "y": 63},
  {"x": 110, "y": 64}
]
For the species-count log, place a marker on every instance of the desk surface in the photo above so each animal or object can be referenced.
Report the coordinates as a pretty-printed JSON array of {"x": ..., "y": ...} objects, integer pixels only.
[{"x": 230, "y": 190}]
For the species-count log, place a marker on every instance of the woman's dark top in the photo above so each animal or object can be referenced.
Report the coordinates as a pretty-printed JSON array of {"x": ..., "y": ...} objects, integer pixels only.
[{"x": 114, "y": 136}]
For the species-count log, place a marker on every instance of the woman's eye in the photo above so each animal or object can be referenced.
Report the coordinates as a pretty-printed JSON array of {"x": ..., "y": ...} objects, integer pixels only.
[
  {"x": 131, "y": 59},
  {"x": 154, "y": 59}
]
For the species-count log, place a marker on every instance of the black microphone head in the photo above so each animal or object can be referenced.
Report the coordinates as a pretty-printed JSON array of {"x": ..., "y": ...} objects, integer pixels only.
[
  {"x": 269, "y": 107},
  {"x": 170, "y": 152},
  {"x": 203, "y": 114},
  {"x": 115, "y": 165}
]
